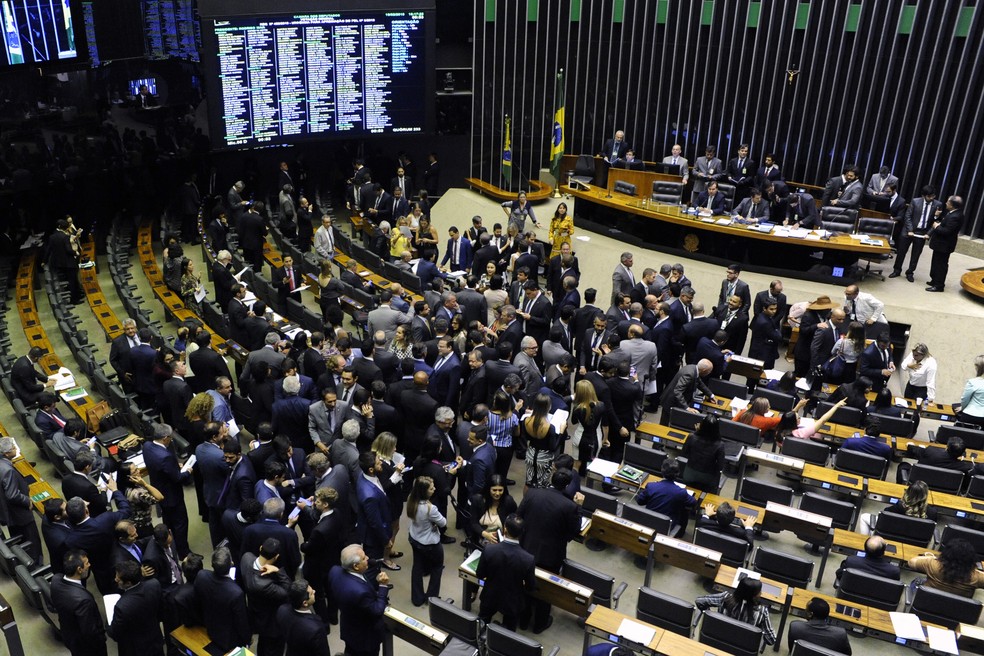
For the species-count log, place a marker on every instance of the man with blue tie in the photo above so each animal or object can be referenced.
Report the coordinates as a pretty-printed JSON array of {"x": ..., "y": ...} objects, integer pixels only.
[
  {"x": 214, "y": 471},
  {"x": 445, "y": 381},
  {"x": 169, "y": 478},
  {"x": 360, "y": 601},
  {"x": 458, "y": 255},
  {"x": 373, "y": 508}
]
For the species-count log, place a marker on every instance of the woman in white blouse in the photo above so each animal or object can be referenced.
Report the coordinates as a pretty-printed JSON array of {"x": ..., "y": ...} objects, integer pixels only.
[
  {"x": 921, "y": 367},
  {"x": 426, "y": 522}
]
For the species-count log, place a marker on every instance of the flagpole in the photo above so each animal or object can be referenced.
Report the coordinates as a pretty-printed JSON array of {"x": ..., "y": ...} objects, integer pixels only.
[{"x": 557, "y": 135}]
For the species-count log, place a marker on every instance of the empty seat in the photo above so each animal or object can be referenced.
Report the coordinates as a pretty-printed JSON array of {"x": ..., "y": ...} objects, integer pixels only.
[
  {"x": 780, "y": 566},
  {"x": 729, "y": 195},
  {"x": 944, "y": 608},
  {"x": 938, "y": 478},
  {"x": 972, "y": 437},
  {"x": 902, "y": 528},
  {"x": 862, "y": 464},
  {"x": 503, "y": 642},
  {"x": 740, "y": 433},
  {"x": 870, "y": 590},
  {"x": 976, "y": 488},
  {"x": 844, "y": 415},
  {"x": 778, "y": 401},
  {"x": 594, "y": 500},
  {"x": 665, "y": 611},
  {"x": 760, "y": 493},
  {"x": 842, "y": 514},
  {"x": 680, "y": 418},
  {"x": 667, "y": 192},
  {"x": 808, "y": 450},
  {"x": 733, "y": 551},
  {"x": 584, "y": 170},
  {"x": 806, "y": 648},
  {"x": 731, "y": 635},
  {"x": 836, "y": 219},
  {"x": 460, "y": 623},
  {"x": 602, "y": 584},
  {"x": 727, "y": 389},
  {"x": 896, "y": 426},
  {"x": 648, "y": 518},
  {"x": 643, "y": 457}
]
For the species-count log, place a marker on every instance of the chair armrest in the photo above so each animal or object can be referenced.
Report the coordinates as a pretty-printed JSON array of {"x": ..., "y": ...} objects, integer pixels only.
[
  {"x": 618, "y": 593},
  {"x": 553, "y": 651}
]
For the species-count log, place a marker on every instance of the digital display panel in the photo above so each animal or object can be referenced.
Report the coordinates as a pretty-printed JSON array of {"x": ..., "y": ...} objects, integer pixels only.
[
  {"x": 171, "y": 29},
  {"x": 37, "y": 31}
]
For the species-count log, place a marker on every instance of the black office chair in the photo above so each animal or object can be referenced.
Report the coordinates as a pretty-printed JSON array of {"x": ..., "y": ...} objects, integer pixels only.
[
  {"x": 812, "y": 452},
  {"x": 944, "y": 608},
  {"x": 897, "y": 426},
  {"x": 30, "y": 586},
  {"x": 727, "y": 389},
  {"x": 680, "y": 418},
  {"x": 736, "y": 431},
  {"x": 878, "y": 227},
  {"x": 836, "y": 219},
  {"x": 734, "y": 551},
  {"x": 731, "y": 635},
  {"x": 665, "y": 611},
  {"x": 861, "y": 464},
  {"x": 584, "y": 170},
  {"x": 667, "y": 192},
  {"x": 648, "y": 518},
  {"x": 643, "y": 457},
  {"x": 729, "y": 195},
  {"x": 972, "y": 437},
  {"x": 845, "y": 415},
  {"x": 453, "y": 620},
  {"x": 595, "y": 500},
  {"x": 938, "y": 479},
  {"x": 974, "y": 537},
  {"x": 842, "y": 514},
  {"x": 503, "y": 642},
  {"x": 623, "y": 187},
  {"x": 784, "y": 567},
  {"x": 778, "y": 401},
  {"x": 902, "y": 528},
  {"x": 759, "y": 493},
  {"x": 806, "y": 648},
  {"x": 295, "y": 310},
  {"x": 603, "y": 585},
  {"x": 870, "y": 590},
  {"x": 975, "y": 489}
]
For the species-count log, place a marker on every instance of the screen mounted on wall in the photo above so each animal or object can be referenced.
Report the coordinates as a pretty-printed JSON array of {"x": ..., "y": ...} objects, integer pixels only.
[
  {"x": 37, "y": 32},
  {"x": 280, "y": 79}
]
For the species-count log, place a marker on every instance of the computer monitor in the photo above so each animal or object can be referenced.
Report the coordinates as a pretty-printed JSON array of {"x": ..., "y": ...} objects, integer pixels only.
[{"x": 668, "y": 169}]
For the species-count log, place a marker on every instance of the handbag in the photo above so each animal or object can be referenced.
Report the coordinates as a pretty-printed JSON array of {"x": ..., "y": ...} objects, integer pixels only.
[
  {"x": 95, "y": 414},
  {"x": 833, "y": 369}
]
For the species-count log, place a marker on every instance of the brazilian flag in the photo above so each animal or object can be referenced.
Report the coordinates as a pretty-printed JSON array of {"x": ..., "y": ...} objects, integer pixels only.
[
  {"x": 507, "y": 155},
  {"x": 557, "y": 143}
]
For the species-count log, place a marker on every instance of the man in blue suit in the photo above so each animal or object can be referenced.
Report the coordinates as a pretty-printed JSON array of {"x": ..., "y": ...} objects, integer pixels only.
[
  {"x": 241, "y": 477},
  {"x": 446, "y": 378},
  {"x": 481, "y": 465},
  {"x": 360, "y": 602},
  {"x": 269, "y": 526},
  {"x": 142, "y": 365},
  {"x": 427, "y": 270},
  {"x": 458, "y": 256},
  {"x": 373, "y": 508},
  {"x": 169, "y": 478},
  {"x": 95, "y": 535},
  {"x": 877, "y": 363},
  {"x": 214, "y": 470},
  {"x": 711, "y": 199}
]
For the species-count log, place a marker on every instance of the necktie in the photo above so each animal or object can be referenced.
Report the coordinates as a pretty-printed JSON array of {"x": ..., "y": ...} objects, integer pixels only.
[
  {"x": 854, "y": 310},
  {"x": 440, "y": 363},
  {"x": 290, "y": 277},
  {"x": 395, "y": 203},
  {"x": 885, "y": 357},
  {"x": 133, "y": 342},
  {"x": 731, "y": 291},
  {"x": 376, "y": 204},
  {"x": 708, "y": 203},
  {"x": 136, "y": 551},
  {"x": 595, "y": 342},
  {"x": 629, "y": 271},
  {"x": 175, "y": 568},
  {"x": 345, "y": 395},
  {"x": 674, "y": 161},
  {"x": 454, "y": 253},
  {"x": 529, "y": 306},
  {"x": 61, "y": 424},
  {"x": 925, "y": 216},
  {"x": 401, "y": 186}
]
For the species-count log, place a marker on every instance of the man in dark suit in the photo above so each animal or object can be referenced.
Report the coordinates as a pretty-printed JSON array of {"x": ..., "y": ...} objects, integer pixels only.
[
  {"x": 513, "y": 332},
  {"x": 497, "y": 370},
  {"x": 81, "y": 624},
  {"x": 16, "y": 507},
  {"x": 734, "y": 323},
  {"x": 536, "y": 313},
  {"x": 214, "y": 472},
  {"x": 373, "y": 508},
  {"x": 96, "y": 535},
  {"x": 753, "y": 209},
  {"x": 584, "y": 316},
  {"x": 241, "y": 479},
  {"x": 269, "y": 526},
  {"x": 360, "y": 600},
  {"x": 627, "y": 406},
  {"x": 168, "y": 477},
  {"x": 119, "y": 353},
  {"x": 817, "y": 631},
  {"x": 559, "y": 267},
  {"x": 217, "y": 231},
  {"x": 27, "y": 380},
  {"x": 136, "y": 625},
  {"x": 238, "y": 313},
  {"x": 772, "y": 295},
  {"x": 873, "y": 561},
  {"x": 692, "y": 331},
  {"x": 142, "y": 360},
  {"x": 765, "y": 337},
  {"x": 734, "y": 286},
  {"x": 458, "y": 254},
  {"x": 287, "y": 279},
  {"x": 823, "y": 340},
  {"x": 711, "y": 199},
  {"x": 918, "y": 221},
  {"x": 55, "y": 531},
  {"x": 509, "y": 573},
  {"x": 161, "y": 559},
  {"x": 48, "y": 419},
  {"x": 615, "y": 148},
  {"x": 63, "y": 260},
  {"x": 323, "y": 548},
  {"x": 723, "y": 520},
  {"x": 876, "y": 362},
  {"x": 252, "y": 229},
  {"x": 949, "y": 458},
  {"x": 679, "y": 393},
  {"x": 223, "y": 278},
  {"x": 476, "y": 389},
  {"x": 223, "y": 603},
  {"x": 551, "y": 521},
  {"x": 207, "y": 364},
  {"x": 128, "y": 545},
  {"x": 445, "y": 381},
  {"x": 176, "y": 395},
  {"x": 801, "y": 211},
  {"x": 257, "y": 327},
  {"x": 592, "y": 345},
  {"x": 305, "y": 633},
  {"x": 943, "y": 241},
  {"x": 78, "y": 484},
  {"x": 266, "y": 591},
  {"x": 473, "y": 305},
  {"x": 427, "y": 269},
  {"x": 290, "y": 415},
  {"x": 741, "y": 173},
  {"x": 713, "y": 349}
]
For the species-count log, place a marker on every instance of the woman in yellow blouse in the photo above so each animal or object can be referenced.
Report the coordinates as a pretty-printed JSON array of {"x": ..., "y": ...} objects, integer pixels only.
[
  {"x": 561, "y": 227},
  {"x": 398, "y": 241}
]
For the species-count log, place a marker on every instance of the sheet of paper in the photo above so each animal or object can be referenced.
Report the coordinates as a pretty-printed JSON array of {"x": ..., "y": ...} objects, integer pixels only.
[
  {"x": 773, "y": 374},
  {"x": 109, "y": 602},
  {"x": 245, "y": 269},
  {"x": 602, "y": 467},
  {"x": 743, "y": 573},
  {"x": 942, "y": 640},
  {"x": 907, "y": 626},
  {"x": 559, "y": 420},
  {"x": 302, "y": 288},
  {"x": 406, "y": 232},
  {"x": 64, "y": 382},
  {"x": 189, "y": 463},
  {"x": 233, "y": 427},
  {"x": 200, "y": 294},
  {"x": 636, "y": 632},
  {"x": 471, "y": 562},
  {"x": 901, "y": 402}
]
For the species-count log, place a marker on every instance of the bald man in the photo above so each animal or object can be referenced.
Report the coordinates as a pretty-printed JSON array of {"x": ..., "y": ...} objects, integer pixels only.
[{"x": 680, "y": 392}]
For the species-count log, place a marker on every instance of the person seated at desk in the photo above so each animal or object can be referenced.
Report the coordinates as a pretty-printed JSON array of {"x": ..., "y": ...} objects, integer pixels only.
[
  {"x": 914, "y": 503},
  {"x": 855, "y": 393},
  {"x": 954, "y": 570},
  {"x": 884, "y": 404},
  {"x": 948, "y": 458},
  {"x": 711, "y": 199},
  {"x": 801, "y": 212},
  {"x": 668, "y": 498},
  {"x": 870, "y": 442},
  {"x": 143, "y": 99},
  {"x": 808, "y": 427},
  {"x": 744, "y": 604},
  {"x": 760, "y": 415},
  {"x": 350, "y": 276},
  {"x": 723, "y": 520},
  {"x": 816, "y": 629},
  {"x": 615, "y": 149},
  {"x": 751, "y": 210},
  {"x": 630, "y": 162},
  {"x": 676, "y": 158},
  {"x": 872, "y": 562}
]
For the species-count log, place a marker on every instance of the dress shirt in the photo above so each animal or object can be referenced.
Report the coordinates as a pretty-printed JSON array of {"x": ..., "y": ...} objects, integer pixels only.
[{"x": 924, "y": 376}]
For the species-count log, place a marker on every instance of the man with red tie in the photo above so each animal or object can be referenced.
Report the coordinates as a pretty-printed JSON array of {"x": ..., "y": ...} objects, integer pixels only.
[
  {"x": 287, "y": 279},
  {"x": 49, "y": 419}
]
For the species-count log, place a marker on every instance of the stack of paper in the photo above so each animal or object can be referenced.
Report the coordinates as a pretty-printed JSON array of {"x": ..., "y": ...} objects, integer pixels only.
[
  {"x": 907, "y": 626},
  {"x": 602, "y": 467},
  {"x": 559, "y": 420},
  {"x": 636, "y": 632}
]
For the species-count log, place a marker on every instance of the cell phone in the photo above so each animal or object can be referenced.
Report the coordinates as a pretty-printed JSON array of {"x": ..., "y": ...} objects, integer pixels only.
[
  {"x": 294, "y": 513},
  {"x": 850, "y": 611}
]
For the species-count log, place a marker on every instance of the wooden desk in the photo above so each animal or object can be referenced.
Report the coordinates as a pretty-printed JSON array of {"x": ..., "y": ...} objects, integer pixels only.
[
  {"x": 938, "y": 411},
  {"x": 741, "y": 508},
  {"x": 951, "y": 504},
  {"x": 194, "y": 640},
  {"x": 538, "y": 190},
  {"x": 884, "y": 491},
  {"x": 811, "y": 527},
  {"x": 554, "y": 589},
  {"x": 634, "y": 538},
  {"x": 604, "y": 623},
  {"x": 684, "y": 555},
  {"x": 856, "y": 622},
  {"x": 417, "y": 632},
  {"x": 902, "y": 444},
  {"x": 970, "y": 638},
  {"x": 831, "y": 479},
  {"x": 105, "y": 315},
  {"x": 675, "y": 644},
  {"x": 762, "y": 458},
  {"x": 660, "y": 434},
  {"x": 880, "y": 626},
  {"x": 38, "y": 489}
]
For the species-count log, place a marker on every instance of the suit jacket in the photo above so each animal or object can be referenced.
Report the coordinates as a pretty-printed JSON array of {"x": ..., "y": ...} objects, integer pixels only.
[
  {"x": 360, "y": 606},
  {"x": 736, "y": 328},
  {"x": 914, "y": 215},
  {"x": 943, "y": 237},
  {"x": 265, "y": 595},
  {"x": 207, "y": 365},
  {"x": 877, "y": 183},
  {"x": 532, "y": 376},
  {"x": 464, "y": 254},
  {"x": 256, "y": 331},
  {"x": 241, "y": 480},
  {"x": 427, "y": 271},
  {"x": 496, "y": 372},
  {"x": 95, "y": 536},
  {"x": 626, "y": 396},
  {"x": 119, "y": 355},
  {"x": 871, "y": 364},
  {"x": 374, "y": 514},
  {"x": 509, "y": 573},
  {"x": 667, "y": 348},
  {"x": 55, "y": 537},
  {"x": 513, "y": 334},
  {"x": 283, "y": 285},
  {"x": 46, "y": 424},
  {"x": 556, "y": 274},
  {"x": 446, "y": 381},
  {"x": 218, "y": 235},
  {"x": 177, "y": 396},
  {"x": 765, "y": 339},
  {"x": 165, "y": 474},
  {"x": 805, "y": 213},
  {"x": 290, "y": 417},
  {"x": 583, "y": 320},
  {"x": 238, "y": 312},
  {"x": 323, "y": 549},
  {"x": 17, "y": 508},
  {"x": 79, "y": 485},
  {"x": 305, "y": 634},
  {"x": 61, "y": 255},
  {"x": 551, "y": 522},
  {"x": 822, "y": 345},
  {"x": 619, "y": 150},
  {"x": 748, "y": 209},
  {"x": 706, "y": 170},
  {"x": 387, "y": 319},
  {"x": 474, "y": 307},
  {"x": 742, "y": 175},
  {"x": 367, "y": 371},
  {"x": 263, "y": 354},
  {"x": 81, "y": 624},
  {"x": 251, "y": 231},
  {"x": 764, "y": 297},
  {"x": 851, "y": 195},
  {"x": 475, "y": 391},
  {"x": 585, "y": 355},
  {"x": 876, "y": 566},
  {"x": 622, "y": 282},
  {"x": 214, "y": 472},
  {"x": 680, "y": 391},
  {"x": 155, "y": 555},
  {"x": 223, "y": 280},
  {"x": 708, "y": 350},
  {"x": 741, "y": 290},
  {"x": 642, "y": 355},
  {"x": 820, "y": 633},
  {"x": 142, "y": 364},
  {"x": 136, "y": 626},
  {"x": 717, "y": 202},
  {"x": 255, "y": 534},
  {"x": 223, "y": 605},
  {"x": 693, "y": 331},
  {"x": 323, "y": 426}
]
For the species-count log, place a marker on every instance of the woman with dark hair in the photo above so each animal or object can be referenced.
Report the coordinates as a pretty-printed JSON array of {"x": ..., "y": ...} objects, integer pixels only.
[
  {"x": 426, "y": 522},
  {"x": 425, "y": 238},
  {"x": 855, "y": 393},
  {"x": 503, "y": 428},
  {"x": 954, "y": 570},
  {"x": 705, "y": 453},
  {"x": 542, "y": 441},
  {"x": 332, "y": 289},
  {"x": 760, "y": 415},
  {"x": 785, "y": 384},
  {"x": 884, "y": 404},
  {"x": 561, "y": 228},
  {"x": 298, "y": 346},
  {"x": 261, "y": 391},
  {"x": 191, "y": 283},
  {"x": 428, "y": 463},
  {"x": 843, "y": 365},
  {"x": 402, "y": 343},
  {"x": 489, "y": 511},
  {"x": 744, "y": 604}
]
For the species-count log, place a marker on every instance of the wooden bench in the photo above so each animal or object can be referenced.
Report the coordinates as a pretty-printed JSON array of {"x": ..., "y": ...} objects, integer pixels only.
[
  {"x": 538, "y": 190},
  {"x": 105, "y": 315}
]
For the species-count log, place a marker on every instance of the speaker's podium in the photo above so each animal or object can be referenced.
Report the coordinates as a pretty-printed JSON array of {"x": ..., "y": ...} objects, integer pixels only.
[{"x": 194, "y": 641}]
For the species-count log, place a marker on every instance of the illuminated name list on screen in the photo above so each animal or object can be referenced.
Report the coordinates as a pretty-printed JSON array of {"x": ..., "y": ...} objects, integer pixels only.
[{"x": 302, "y": 76}]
